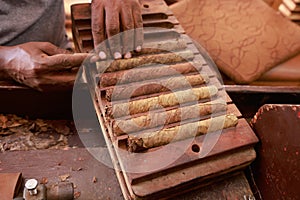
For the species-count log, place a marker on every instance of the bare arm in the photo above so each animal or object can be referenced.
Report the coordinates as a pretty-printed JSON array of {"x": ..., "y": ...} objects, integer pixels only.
[{"x": 32, "y": 63}]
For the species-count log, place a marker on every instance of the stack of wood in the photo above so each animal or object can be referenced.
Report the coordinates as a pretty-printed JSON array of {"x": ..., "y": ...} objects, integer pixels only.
[{"x": 291, "y": 9}]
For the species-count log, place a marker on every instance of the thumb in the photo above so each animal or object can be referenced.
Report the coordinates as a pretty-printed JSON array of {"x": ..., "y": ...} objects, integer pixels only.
[{"x": 66, "y": 61}]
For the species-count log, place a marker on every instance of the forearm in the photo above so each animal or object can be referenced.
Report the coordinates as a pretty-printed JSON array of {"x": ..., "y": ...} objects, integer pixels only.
[{"x": 4, "y": 56}]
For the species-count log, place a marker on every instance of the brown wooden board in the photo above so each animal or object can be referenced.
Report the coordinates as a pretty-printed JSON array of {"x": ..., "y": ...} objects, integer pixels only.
[
  {"x": 77, "y": 163},
  {"x": 276, "y": 170},
  {"x": 242, "y": 156},
  {"x": 50, "y": 164},
  {"x": 151, "y": 188},
  {"x": 230, "y": 139}
]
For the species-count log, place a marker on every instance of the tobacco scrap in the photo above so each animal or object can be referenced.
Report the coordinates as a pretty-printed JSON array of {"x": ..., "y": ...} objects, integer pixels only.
[
  {"x": 165, "y": 136},
  {"x": 77, "y": 169},
  {"x": 94, "y": 179},
  {"x": 44, "y": 180},
  {"x": 21, "y": 133},
  {"x": 64, "y": 177},
  {"x": 77, "y": 195}
]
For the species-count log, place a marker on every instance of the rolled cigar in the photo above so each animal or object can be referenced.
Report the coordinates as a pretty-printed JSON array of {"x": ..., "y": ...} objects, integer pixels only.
[
  {"x": 165, "y": 136},
  {"x": 162, "y": 46},
  {"x": 157, "y": 86},
  {"x": 162, "y": 58},
  {"x": 147, "y": 73},
  {"x": 164, "y": 100},
  {"x": 126, "y": 126}
]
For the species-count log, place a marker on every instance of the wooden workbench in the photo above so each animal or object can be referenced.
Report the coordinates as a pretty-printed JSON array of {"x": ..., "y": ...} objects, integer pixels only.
[{"x": 82, "y": 168}]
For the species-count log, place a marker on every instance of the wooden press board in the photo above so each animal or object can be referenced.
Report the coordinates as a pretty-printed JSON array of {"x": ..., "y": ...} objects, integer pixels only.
[{"x": 233, "y": 151}]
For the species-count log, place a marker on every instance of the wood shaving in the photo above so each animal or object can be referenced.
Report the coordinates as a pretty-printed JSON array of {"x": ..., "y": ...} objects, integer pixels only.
[
  {"x": 95, "y": 179},
  {"x": 77, "y": 195},
  {"x": 44, "y": 180},
  {"x": 64, "y": 177}
]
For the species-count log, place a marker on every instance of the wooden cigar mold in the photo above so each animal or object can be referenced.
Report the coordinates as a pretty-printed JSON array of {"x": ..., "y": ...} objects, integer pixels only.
[{"x": 233, "y": 150}]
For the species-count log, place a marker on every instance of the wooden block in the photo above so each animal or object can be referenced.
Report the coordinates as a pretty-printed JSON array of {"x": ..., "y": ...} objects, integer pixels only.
[{"x": 278, "y": 128}]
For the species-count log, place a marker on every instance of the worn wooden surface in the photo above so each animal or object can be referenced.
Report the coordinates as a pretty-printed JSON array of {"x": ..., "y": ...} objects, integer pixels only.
[
  {"x": 82, "y": 168},
  {"x": 276, "y": 170},
  {"x": 77, "y": 163}
]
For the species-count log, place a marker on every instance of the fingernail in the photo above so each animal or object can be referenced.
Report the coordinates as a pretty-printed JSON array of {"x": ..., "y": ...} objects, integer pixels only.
[
  {"x": 138, "y": 48},
  {"x": 94, "y": 59},
  {"x": 117, "y": 55},
  {"x": 127, "y": 55},
  {"x": 102, "y": 55}
]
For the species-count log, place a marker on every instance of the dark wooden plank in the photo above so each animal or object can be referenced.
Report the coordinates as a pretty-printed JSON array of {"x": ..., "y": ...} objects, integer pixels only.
[
  {"x": 276, "y": 170},
  {"x": 193, "y": 176},
  {"x": 77, "y": 163},
  {"x": 262, "y": 89}
]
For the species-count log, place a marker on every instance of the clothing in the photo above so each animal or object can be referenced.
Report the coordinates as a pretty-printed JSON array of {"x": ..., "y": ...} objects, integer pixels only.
[{"x": 27, "y": 20}]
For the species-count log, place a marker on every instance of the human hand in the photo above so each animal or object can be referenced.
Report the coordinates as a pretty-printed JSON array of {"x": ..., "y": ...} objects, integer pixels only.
[
  {"x": 40, "y": 64},
  {"x": 110, "y": 17}
]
